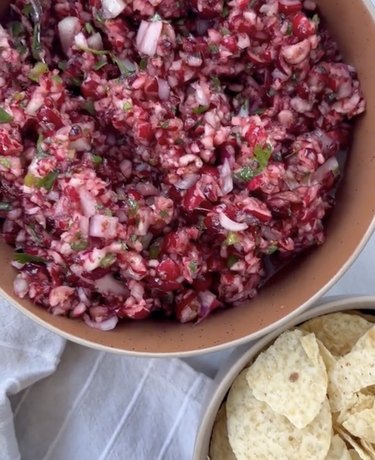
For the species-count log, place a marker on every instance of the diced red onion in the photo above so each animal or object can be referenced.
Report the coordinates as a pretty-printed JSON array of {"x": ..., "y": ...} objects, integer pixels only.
[
  {"x": 148, "y": 36},
  {"x": 290, "y": 3},
  {"x": 188, "y": 181},
  {"x": 136, "y": 290},
  {"x": 80, "y": 41},
  {"x": 68, "y": 28},
  {"x": 164, "y": 89},
  {"x": 35, "y": 103},
  {"x": 230, "y": 224},
  {"x": 202, "y": 26},
  {"x": 88, "y": 202},
  {"x": 243, "y": 41},
  {"x": 331, "y": 165},
  {"x": 309, "y": 5},
  {"x": 82, "y": 296},
  {"x": 20, "y": 286},
  {"x": 226, "y": 179},
  {"x": 106, "y": 325},
  {"x": 295, "y": 54},
  {"x": 108, "y": 285},
  {"x": 79, "y": 310},
  {"x": 112, "y": 8},
  {"x": 202, "y": 93},
  {"x": 103, "y": 226},
  {"x": 81, "y": 145},
  {"x": 95, "y": 42},
  {"x": 208, "y": 302},
  {"x": 126, "y": 167},
  {"x": 84, "y": 225},
  {"x": 147, "y": 189}
]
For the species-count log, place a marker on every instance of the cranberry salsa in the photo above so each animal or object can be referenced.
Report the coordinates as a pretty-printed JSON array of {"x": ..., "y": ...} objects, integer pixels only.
[{"x": 157, "y": 156}]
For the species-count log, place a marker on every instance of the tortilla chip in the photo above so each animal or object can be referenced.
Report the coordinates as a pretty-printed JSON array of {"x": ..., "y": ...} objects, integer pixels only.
[
  {"x": 363, "y": 455},
  {"x": 256, "y": 432},
  {"x": 338, "y": 449},
  {"x": 353, "y": 372},
  {"x": 338, "y": 331},
  {"x": 220, "y": 448},
  {"x": 290, "y": 377}
]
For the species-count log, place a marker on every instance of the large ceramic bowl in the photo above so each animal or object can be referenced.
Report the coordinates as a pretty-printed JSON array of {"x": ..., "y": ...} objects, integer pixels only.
[
  {"x": 352, "y": 24},
  {"x": 244, "y": 355}
]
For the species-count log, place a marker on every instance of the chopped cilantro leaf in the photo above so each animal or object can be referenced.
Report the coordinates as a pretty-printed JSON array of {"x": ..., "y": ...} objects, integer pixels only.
[
  {"x": 5, "y": 117},
  {"x": 16, "y": 29},
  {"x": 101, "y": 63},
  {"x": 200, "y": 109},
  {"x": 143, "y": 64},
  {"x": 216, "y": 83},
  {"x": 107, "y": 260},
  {"x": 5, "y": 206},
  {"x": 262, "y": 155},
  {"x": 272, "y": 248},
  {"x": 127, "y": 106},
  {"x": 41, "y": 182},
  {"x": 316, "y": 19},
  {"x": 246, "y": 174},
  {"x": 79, "y": 245},
  {"x": 89, "y": 107},
  {"x": 37, "y": 71},
  {"x": 24, "y": 258},
  {"x": 5, "y": 162},
  {"x": 193, "y": 267},
  {"x": 89, "y": 28},
  {"x": 232, "y": 259},
  {"x": 125, "y": 71},
  {"x": 232, "y": 239},
  {"x": 96, "y": 159}
]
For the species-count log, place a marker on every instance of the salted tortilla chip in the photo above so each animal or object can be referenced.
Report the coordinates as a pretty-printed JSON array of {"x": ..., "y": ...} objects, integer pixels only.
[
  {"x": 368, "y": 447},
  {"x": 219, "y": 447},
  {"x": 338, "y": 449},
  {"x": 338, "y": 331},
  {"x": 354, "y": 455},
  {"x": 361, "y": 424},
  {"x": 256, "y": 432},
  {"x": 363, "y": 455},
  {"x": 290, "y": 377},
  {"x": 367, "y": 316},
  {"x": 353, "y": 372},
  {"x": 359, "y": 403}
]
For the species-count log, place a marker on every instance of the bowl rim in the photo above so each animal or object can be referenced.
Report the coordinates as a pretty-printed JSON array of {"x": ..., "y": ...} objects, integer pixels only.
[{"x": 240, "y": 357}]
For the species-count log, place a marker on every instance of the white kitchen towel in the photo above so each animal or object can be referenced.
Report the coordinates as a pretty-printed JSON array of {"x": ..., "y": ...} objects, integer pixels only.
[
  {"x": 28, "y": 353},
  {"x": 94, "y": 405}
]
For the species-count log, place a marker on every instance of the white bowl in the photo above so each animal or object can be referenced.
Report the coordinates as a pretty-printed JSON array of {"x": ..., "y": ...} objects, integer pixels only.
[{"x": 246, "y": 353}]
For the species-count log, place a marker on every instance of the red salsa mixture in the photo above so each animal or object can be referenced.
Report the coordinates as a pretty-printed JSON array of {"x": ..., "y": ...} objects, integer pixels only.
[{"x": 156, "y": 156}]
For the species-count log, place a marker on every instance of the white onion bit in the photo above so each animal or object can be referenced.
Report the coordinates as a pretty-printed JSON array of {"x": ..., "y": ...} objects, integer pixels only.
[
  {"x": 148, "y": 36},
  {"x": 112, "y": 8},
  {"x": 80, "y": 41},
  {"x": 20, "y": 286},
  {"x": 188, "y": 181},
  {"x": 331, "y": 165},
  {"x": 108, "y": 285},
  {"x": 106, "y": 325},
  {"x": 68, "y": 28},
  {"x": 230, "y": 224},
  {"x": 103, "y": 226},
  {"x": 164, "y": 89},
  {"x": 95, "y": 42},
  {"x": 226, "y": 178}
]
